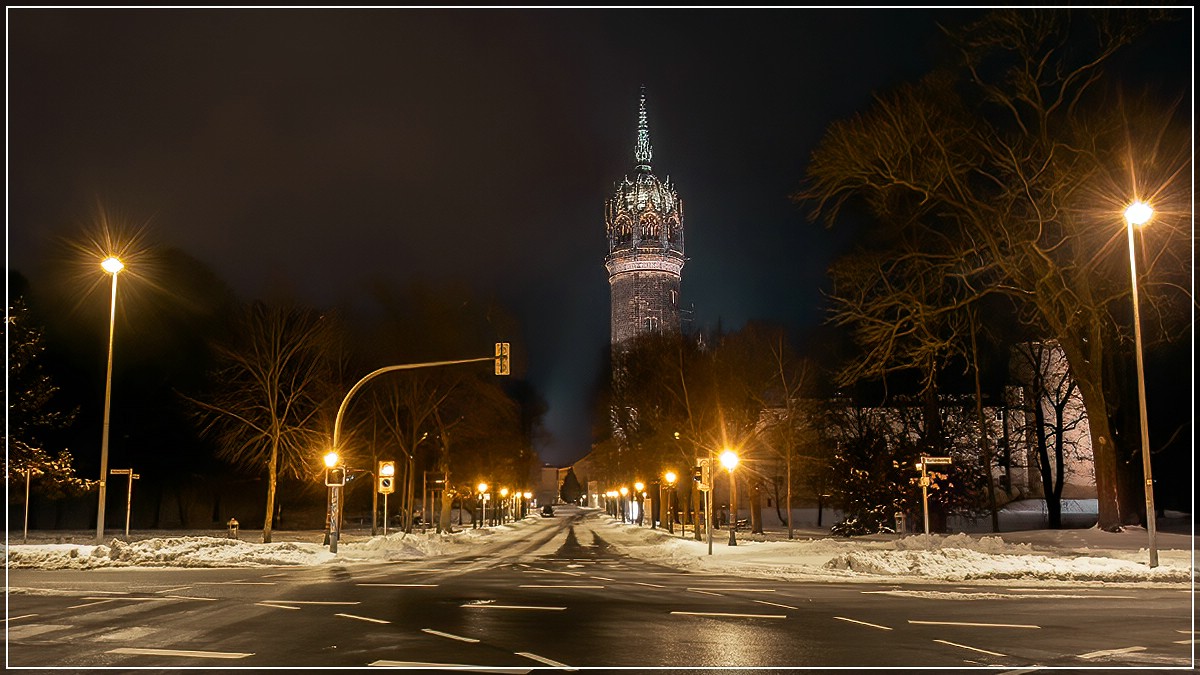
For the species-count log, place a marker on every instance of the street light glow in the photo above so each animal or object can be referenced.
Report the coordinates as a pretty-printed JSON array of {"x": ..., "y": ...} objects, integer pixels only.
[
  {"x": 639, "y": 486},
  {"x": 503, "y": 492},
  {"x": 670, "y": 476},
  {"x": 624, "y": 490},
  {"x": 331, "y": 459},
  {"x": 482, "y": 487},
  {"x": 387, "y": 469},
  {"x": 1139, "y": 213},
  {"x": 112, "y": 265},
  {"x": 729, "y": 459},
  {"x": 527, "y": 495}
]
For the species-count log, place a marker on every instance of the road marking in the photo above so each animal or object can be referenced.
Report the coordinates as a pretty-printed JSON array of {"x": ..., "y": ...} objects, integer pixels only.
[
  {"x": 23, "y": 616},
  {"x": 277, "y": 574},
  {"x": 449, "y": 635},
  {"x": 195, "y": 654},
  {"x": 384, "y": 663},
  {"x": 89, "y": 604},
  {"x": 1111, "y": 652},
  {"x": 549, "y": 662},
  {"x": 314, "y": 602},
  {"x": 974, "y": 649},
  {"x": 90, "y": 597},
  {"x": 706, "y": 592},
  {"x": 276, "y": 606},
  {"x": 557, "y": 586},
  {"x": 398, "y": 585},
  {"x": 362, "y": 618},
  {"x": 233, "y": 583},
  {"x": 643, "y": 583},
  {"x": 603, "y": 579},
  {"x": 775, "y": 604},
  {"x": 980, "y": 625},
  {"x": 752, "y": 616},
  {"x": 739, "y": 590},
  {"x": 1186, "y": 642},
  {"x": 172, "y": 590},
  {"x": 189, "y": 597},
  {"x": 553, "y": 609},
  {"x": 863, "y": 623}
]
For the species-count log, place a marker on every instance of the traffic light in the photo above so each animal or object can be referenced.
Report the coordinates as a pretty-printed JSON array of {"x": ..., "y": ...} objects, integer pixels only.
[
  {"x": 502, "y": 358},
  {"x": 335, "y": 476},
  {"x": 386, "y": 478},
  {"x": 697, "y": 474}
]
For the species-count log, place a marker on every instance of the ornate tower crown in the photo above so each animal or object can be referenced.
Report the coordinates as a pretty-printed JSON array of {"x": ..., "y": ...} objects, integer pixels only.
[{"x": 644, "y": 223}]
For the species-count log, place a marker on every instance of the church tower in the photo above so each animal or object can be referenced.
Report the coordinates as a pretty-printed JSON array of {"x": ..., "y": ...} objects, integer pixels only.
[{"x": 644, "y": 222}]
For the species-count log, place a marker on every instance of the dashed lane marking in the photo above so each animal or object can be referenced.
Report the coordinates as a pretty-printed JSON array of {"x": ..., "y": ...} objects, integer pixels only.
[
  {"x": 750, "y": 616},
  {"x": 643, "y": 583},
  {"x": 90, "y": 604},
  {"x": 706, "y": 592},
  {"x": 862, "y": 623},
  {"x": 559, "y": 586},
  {"x": 362, "y": 618},
  {"x": 542, "y": 659},
  {"x": 978, "y": 625},
  {"x": 384, "y": 663},
  {"x": 23, "y": 616},
  {"x": 448, "y": 635},
  {"x": 397, "y": 585},
  {"x": 775, "y": 604},
  {"x": 234, "y": 583},
  {"x": 188, "y": 653},
  {"x": 603, "y": 579},
  {"x": 734, "y": 590},
  {"x": 314, "y": 602},
  {"x": 275, "y": 605},
  {"x": 1111, "y": 652},
  {"x": 551, "y": 609},
  {"x": 974, "y": 649}
]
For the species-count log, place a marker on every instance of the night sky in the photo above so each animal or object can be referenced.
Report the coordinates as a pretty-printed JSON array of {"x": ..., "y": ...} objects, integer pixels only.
[{"x": 310, "y": 151}]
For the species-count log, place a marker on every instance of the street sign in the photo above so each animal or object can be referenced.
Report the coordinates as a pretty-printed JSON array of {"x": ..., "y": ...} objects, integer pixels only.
[{"x": 936, "y": 460}]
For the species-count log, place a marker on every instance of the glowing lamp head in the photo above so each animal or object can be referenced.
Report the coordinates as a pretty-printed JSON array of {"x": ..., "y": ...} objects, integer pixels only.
[
  {"x": 527, "y": 495},
  {"x": 503, "y": 492},
  {"x": 1139, "y": 213},
  {"x": 639, "y": 486},
  {"x": 387, "y": 469},
  {"x": 482, "y": 488},
  {"x": 624, "y": 490},
  {"x": 729, "y": 459},
  {"x": 112, "y": 265},
  {"x": 670, "y": 476},
  {"x": 331, "y": 459}
]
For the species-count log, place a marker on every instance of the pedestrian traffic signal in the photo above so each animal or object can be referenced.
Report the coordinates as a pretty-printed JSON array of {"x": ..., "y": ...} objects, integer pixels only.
[
  {"x": 335, "y": 476},
  {"x": 502, "y": 367}
]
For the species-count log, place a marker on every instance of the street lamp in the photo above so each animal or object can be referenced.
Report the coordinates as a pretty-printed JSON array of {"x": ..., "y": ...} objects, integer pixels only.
[
  {"x": 503, "y": 503},
  {"x": 1139, "y": 213},
  {"x": 638, "y": 498},
  {"x": 624, "y": 492},
  {"x": 481, "y": 490},
  {"x": 668, "y": 515},
  {"x": 332, "y": 460},
  {"x": 729, "y": 460},
  {"x": 113, "y": 266}
]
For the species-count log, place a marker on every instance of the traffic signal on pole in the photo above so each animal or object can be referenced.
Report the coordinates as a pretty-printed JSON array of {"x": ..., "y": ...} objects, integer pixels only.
[
  {"x": 386, "y": 478},
  {"x": 335, "y": 476},
  {"x": 502, "y": 358},
  {"x": 697, "y": 474}
]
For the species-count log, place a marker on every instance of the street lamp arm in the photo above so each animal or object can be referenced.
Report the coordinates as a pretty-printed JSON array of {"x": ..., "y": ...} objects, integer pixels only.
[{"x": 337, "y": 425}]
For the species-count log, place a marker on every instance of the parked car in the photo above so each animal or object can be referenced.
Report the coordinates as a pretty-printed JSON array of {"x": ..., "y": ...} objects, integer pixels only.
[{"x": 547, "y": 511}]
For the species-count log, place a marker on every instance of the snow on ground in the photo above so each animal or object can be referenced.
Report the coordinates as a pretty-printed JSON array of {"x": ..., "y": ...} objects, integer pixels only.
[{"x": 1050, "y": 556}]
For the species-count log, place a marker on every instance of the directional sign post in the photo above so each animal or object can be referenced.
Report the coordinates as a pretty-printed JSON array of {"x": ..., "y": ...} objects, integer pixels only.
[
  {"x": 128, "y": 495},
  {"x": 925, "y": 461}
]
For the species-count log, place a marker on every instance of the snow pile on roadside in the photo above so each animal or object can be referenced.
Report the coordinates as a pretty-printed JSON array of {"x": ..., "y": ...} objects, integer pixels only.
[
  {"x": 955, "y": 557},
  {"x": 166, "y": 552}
]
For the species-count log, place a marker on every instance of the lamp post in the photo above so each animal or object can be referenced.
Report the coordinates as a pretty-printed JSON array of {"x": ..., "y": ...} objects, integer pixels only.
[
  {"x": 503, "y": 504},
  {"x": 332, "y": 460},
  {"x": 113, "y": 266},
  {"x": 639, "y": 498},
  {"x": 525, "y": 504},
  {"x": 729, "y": 460},
  {"x": 1139, "y": 213},
  {"x": 669, "y": 516},
  {"x": 624, "y": 493},
  {"x": 481, "y": 490}
]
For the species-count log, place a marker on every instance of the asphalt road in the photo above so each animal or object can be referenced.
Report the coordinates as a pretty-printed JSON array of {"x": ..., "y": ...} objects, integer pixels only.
[{"x": 562, "y": 597}]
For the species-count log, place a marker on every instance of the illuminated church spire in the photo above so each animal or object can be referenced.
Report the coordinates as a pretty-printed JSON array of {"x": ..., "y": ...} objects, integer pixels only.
[{"x": 644, "y": 152}]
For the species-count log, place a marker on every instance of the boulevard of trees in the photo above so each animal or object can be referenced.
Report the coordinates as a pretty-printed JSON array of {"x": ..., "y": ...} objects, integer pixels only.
[
  {"x": 987, "y": 200},
  {"x": 226, "y": 407}
]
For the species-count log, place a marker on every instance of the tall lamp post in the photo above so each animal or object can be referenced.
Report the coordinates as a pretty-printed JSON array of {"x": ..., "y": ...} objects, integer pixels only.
[
  {"x": 624, "y": 493},
  {"x": 1139, "y": 213},
  {"x": 481, "y": 490},
  {"x": 639, "y": 498},
  {"x": 669, "y": 489},
  {"x": 729, "y": 460},
  {"x": 113, "y": 266}
]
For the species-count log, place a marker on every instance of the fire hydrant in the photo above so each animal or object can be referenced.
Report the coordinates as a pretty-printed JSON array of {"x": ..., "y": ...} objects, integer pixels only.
[{"x": 233, "y": 527}]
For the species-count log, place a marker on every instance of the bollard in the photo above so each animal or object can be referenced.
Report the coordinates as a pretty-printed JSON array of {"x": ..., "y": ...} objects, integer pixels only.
[{"x": 233, "y": 529}]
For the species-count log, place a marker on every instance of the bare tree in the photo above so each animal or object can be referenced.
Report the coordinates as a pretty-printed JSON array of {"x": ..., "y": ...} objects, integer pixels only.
[
  {"x": 1011, "y": 169},
  {"x": 272, "y": 393}
]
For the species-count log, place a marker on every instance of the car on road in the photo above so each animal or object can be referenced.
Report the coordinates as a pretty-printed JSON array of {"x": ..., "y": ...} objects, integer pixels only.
[{"x": 547, "y": 511}]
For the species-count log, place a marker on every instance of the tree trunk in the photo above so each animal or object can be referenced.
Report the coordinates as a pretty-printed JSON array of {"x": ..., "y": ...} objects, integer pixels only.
[
  {"x": 271, "y": 477},
  {"x": 1087, "y": 374},
  {"x": 756, "y": 524},
  {"x": 985, "y": 451}
]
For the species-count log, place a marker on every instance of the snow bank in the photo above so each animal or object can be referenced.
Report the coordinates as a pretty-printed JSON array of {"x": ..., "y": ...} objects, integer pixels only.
[{"x": 166, "y": 552}]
